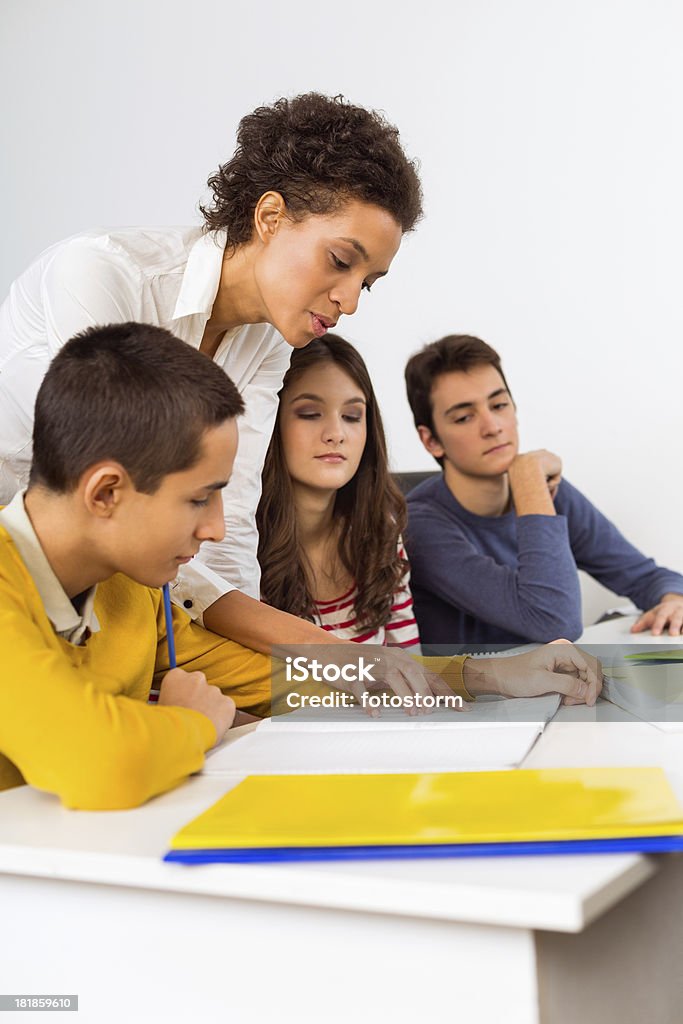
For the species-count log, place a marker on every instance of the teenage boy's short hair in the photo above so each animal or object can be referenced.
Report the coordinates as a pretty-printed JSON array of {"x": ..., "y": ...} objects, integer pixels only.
[
  {"x": 454, "y": 353},
  {"x": 132, "y": 393}
]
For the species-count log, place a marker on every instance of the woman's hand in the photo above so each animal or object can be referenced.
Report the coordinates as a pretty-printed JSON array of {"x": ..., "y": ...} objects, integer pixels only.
[
  {"x": 364, "y": 669},
  {"x": 559, "y": 667},
  {"x": 409, "y": 678}
]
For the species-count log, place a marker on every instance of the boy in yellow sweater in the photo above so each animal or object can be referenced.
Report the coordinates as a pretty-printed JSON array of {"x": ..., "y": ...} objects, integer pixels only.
[{"x": 126, "y": 496}]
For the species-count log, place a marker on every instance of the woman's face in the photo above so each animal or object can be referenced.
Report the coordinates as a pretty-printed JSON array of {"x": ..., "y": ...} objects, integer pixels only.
[
  {"x": 323, "y": 428},
  {"x": 311, "y": 272}
]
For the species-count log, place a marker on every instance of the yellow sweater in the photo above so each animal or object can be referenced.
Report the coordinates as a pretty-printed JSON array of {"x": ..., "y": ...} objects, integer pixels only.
[{"x": 74, "y": 720}]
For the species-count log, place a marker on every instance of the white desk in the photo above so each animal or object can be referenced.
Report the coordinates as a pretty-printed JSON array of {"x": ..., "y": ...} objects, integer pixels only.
[
  {"x": 89, "y": 908},
  {"x": 618, "y": 631}
]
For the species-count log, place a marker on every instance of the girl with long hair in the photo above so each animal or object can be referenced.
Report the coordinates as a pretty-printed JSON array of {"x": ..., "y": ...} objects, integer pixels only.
[
  {"x": 330, "y": 521},
  {"x": 330, "y": 517}
]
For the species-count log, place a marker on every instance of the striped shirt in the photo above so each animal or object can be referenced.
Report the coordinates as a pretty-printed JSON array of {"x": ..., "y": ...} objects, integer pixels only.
[{"x": 339, "y": 617}]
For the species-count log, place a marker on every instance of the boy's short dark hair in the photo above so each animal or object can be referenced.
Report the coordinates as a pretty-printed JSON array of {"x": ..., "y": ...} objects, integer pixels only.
[
  {"x": 129, "y": 392},
  {"x": 318, "y": 152},
  {"x": 454, "y": 353}
]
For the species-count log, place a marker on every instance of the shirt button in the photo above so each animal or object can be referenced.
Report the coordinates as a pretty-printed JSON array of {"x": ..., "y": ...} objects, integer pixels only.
[{"x": 187, "y": 604}]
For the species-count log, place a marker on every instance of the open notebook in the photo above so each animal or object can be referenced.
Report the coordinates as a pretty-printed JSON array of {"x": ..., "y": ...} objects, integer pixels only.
[{"x": 494, "y": 734}]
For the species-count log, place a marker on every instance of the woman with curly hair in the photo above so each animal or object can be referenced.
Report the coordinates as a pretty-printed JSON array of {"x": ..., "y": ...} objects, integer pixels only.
[
  {"x": 309, "y": 211},
  {"x": 330, "y": 517}
]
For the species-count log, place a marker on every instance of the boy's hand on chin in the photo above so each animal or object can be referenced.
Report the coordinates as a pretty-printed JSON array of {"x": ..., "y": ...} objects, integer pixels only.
[
  {"x": 190, "y": 690},
  {"x": 527, "y": 464}
]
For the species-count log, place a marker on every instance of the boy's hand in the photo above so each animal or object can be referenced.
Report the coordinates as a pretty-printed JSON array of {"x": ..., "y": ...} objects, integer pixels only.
[
  {"x": 191, "y": 690},
  {"x": 669, "y": 612},
  {"x": 559, "y": 667},
  {"x": 529, "y": 469}
]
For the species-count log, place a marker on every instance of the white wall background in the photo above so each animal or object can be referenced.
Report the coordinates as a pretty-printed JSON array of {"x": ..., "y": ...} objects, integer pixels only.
[{"x": 552, "y": 157}]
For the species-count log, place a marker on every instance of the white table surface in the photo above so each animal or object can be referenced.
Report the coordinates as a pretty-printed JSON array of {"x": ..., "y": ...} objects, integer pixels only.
[
  {"x": 39, "y": 838},
  {"x": 618, "y": 631}
]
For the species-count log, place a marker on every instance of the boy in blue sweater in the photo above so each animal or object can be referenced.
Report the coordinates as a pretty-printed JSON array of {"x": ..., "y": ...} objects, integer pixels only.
[{"x": 495, "y": 541}]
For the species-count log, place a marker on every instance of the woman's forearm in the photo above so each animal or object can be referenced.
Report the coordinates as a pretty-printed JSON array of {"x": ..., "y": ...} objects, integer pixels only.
[{"x": 260, "y": 627}]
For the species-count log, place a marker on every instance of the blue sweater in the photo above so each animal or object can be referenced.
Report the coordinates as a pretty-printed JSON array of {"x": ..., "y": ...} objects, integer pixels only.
[{"x": 509, "y": 579}]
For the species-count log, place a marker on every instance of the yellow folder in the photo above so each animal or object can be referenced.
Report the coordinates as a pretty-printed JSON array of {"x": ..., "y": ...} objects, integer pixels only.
[{"x": 443, "y": 808}]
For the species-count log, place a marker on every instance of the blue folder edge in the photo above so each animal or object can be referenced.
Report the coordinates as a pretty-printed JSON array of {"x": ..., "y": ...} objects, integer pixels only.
[{"x": 293, "y": 854}]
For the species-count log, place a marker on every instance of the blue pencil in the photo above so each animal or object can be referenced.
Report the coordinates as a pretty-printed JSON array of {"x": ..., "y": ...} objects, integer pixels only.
[{"x": 169, "y": 626}]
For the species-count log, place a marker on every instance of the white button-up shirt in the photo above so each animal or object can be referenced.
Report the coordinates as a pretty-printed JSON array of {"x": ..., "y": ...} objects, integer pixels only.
[{"x": 163, "y": 276}]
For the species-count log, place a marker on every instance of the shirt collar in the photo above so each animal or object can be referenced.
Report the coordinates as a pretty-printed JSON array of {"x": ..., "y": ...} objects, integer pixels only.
[
  {"x": 202, "y": 275},
  {"x": 65, "y": 619}
]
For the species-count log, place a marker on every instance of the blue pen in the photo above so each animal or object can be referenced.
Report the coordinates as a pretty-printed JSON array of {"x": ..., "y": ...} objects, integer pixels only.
[{"x": 169, "y": 626}]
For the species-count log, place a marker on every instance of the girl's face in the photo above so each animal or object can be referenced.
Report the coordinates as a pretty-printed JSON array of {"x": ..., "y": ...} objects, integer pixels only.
[
  {"x": 323, "y": 428},
  {"x": 311, "y": 272}
]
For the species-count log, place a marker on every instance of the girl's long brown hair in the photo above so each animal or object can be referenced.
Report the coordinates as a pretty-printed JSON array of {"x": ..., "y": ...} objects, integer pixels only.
[{"x": 369, "y": 510}]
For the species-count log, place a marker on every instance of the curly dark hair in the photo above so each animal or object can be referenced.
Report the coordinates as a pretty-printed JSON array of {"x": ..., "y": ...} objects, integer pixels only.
[
  {"x": 317, "y": 152},
  {"x": 369, "y": 509}
]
